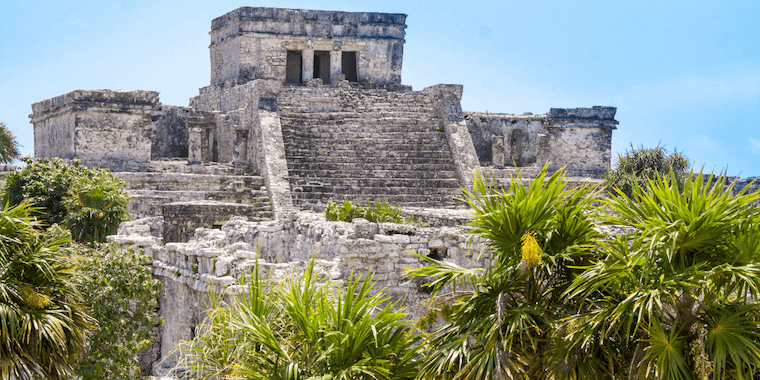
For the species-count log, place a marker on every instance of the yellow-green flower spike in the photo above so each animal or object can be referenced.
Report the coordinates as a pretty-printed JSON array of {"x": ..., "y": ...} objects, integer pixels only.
[{"x": 530, "y": 250}]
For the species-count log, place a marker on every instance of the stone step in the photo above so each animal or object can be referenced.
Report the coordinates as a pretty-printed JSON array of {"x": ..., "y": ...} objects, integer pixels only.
[
  {"x": 362, "y": 185},
  {"x": 344, "y": 162},
  {"x": 188, "y": 182},
  {"x": 379, "y": 173},
  {"x": 389, "y": 115},
  {"x": 145, "y": 203},
  {"x": 334, "y": 160},
  {"x": 436, "y": 143},
  {"x": 364, "y": 128},
  {"x": 307, "y": 133},
  {"x": 365, "y": 196},
  {"x": 369, "y": 153},
  {"x": 217, "y": 168},
  {"x": 359, "y": 119},
  {"x": 317, "y": 201},
  {"x": 365, "y": 150}
]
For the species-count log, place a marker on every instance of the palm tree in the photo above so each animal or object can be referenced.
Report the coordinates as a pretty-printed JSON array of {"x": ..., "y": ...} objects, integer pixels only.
[
  {"x": 95, "y": 206},
  {"x": 42, "y": 325},
  {"x": 8, "y": 145},
  {"x": 500, "y": 320},
  {"x": 676, "y": 298}
]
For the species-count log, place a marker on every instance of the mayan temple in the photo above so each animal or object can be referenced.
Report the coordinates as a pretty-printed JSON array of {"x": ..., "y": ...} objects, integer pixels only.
[{"x": 303, "y": 107}]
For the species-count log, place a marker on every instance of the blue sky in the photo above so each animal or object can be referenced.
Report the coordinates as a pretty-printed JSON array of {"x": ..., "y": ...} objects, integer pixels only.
[{"x": 685, "y": 74}]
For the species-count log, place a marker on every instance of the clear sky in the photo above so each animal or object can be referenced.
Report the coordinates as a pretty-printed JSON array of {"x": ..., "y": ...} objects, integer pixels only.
[{"x": 685, "y": 74}]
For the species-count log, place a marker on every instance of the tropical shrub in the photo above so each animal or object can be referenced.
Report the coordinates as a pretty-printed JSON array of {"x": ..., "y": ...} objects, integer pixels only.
[
  {"x": 377, "y": 212},
  {"x": 499, "y": 321},
  {"x": 122, "y": 296},
  {"x": 95, "y": 206},
  {"x": 635, "y": 167},
  {"x": 302, "y": 329},
  {"x": 43, "y": 323},
  {"x": 8, "y": 145},
  {"x": 89, "y": 202},
  {"x": 677, "y": 298}
]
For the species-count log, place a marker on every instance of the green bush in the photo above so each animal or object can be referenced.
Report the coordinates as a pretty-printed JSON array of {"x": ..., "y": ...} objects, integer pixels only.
[
  {"x": 304, "y": 329},
  {"x": 122, "y": 296},
  {"x": 636, "y": 167},
  {"x": 377, "y": 212},
  {"x": 89, "y": 202}
]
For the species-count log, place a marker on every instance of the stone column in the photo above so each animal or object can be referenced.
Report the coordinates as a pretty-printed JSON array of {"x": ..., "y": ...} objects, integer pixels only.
[
  {"x": 497, "y": 151},
  {"x": 194, "y": 145},
  {"x": 307, "y": 63},
  {"x": 336, "y": 66},
  {"x": 447, "y": 97},
  {"x": 240, "y": 145}
]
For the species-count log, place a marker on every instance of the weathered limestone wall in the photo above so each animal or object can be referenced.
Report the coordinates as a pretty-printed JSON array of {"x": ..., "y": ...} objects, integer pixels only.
[
  {"x": 578, "y": 138},
  {"x": 215, "y": 260},
  {"x": 169, "y": 132},
  {"x": 238, "y": 112},
  {"x": 181, "y": 219},
  {"x": 253, "y": 42},
  {"x": 103, "y": 128},
  {"x": 519, "y": 136}
]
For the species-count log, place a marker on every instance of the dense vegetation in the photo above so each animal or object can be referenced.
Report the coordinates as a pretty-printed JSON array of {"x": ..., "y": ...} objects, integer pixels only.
[
  {"x": 304, "y": 328},
  {"x": 121, "y": 293},
  {"x": 674, "y": 298},
  {"x": 89, "y": 202},
  {"x": 67, "y": 308}
]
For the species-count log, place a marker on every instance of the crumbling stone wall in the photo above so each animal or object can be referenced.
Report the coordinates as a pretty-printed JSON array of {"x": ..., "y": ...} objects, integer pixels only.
[
  {"x": 578, "y": 138},
  {"x": 215, "y": 260},
  {"x": 518, "y": 137}
]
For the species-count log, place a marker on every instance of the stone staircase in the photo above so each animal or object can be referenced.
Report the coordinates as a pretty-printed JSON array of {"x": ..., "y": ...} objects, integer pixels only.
[
  {"x": 502, "y": 176},
  {"x": 366, "y": 145},
  {"x": 150, "y": 191}
]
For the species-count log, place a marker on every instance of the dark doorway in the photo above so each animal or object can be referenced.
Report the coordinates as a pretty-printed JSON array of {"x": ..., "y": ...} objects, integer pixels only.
[
  {"x": 293, "y": 67},
  {"x": 349, "y": 66},
  {"x": 322, "y": 65}
]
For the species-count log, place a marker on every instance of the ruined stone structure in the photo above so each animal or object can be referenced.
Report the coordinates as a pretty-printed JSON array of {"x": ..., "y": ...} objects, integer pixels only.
[{"x": 303, "y": 107}]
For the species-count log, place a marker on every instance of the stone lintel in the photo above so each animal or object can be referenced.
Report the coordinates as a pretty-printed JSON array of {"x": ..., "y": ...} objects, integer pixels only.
[
  {"x": 112, "y": 101},
  {"x": 316, "y": 23},
  {"x": 597, "y": 116}
]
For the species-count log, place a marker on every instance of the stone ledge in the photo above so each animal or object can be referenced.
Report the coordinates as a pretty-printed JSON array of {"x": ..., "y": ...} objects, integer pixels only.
[{"x": 97, "y": 99}]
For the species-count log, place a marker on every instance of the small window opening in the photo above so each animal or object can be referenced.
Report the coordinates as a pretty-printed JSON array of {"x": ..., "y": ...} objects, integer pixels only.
[
  {"x": 438, "y": 253},
  {"x": 293, "y": 72},
  {"x": 322, "y": 65},
  {"x": 349, "y": 66}
]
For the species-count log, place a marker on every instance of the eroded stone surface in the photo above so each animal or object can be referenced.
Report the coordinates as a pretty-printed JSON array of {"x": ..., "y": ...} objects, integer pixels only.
[{"x": 216, "y": 260}]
